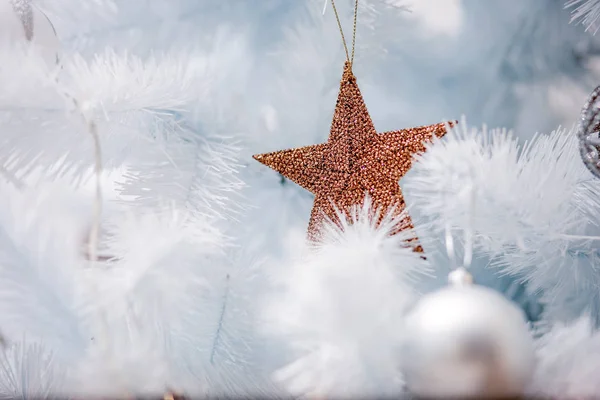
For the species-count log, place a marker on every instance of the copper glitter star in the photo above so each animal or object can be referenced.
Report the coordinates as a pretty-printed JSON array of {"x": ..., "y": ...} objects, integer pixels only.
[{"x": 354, "y": 162}]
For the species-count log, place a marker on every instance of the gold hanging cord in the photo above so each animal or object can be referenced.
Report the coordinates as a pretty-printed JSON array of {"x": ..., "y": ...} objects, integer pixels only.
[{"x": 337, "y": 17}]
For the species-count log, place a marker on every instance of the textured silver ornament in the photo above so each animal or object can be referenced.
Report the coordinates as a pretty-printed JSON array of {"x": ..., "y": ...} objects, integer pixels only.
[
  {"x": 21, "y": 21},
  {"x": 24, "y": 10},
  {"x": 587, "y": 133},
  {"x": 467, "y": 341}
]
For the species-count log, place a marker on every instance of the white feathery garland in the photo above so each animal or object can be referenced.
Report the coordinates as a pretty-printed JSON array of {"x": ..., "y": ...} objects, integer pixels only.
[
  {"x": 29, "y": 370},
  {"x": 155, "y": 259}
]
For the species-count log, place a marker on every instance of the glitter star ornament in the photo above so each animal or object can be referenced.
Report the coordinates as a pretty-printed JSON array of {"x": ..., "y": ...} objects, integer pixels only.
[{"x": 355, "y": 162}]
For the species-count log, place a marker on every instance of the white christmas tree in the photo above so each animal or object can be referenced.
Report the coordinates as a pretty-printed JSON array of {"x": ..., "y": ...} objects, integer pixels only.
[{"x": 143, "y": 251}]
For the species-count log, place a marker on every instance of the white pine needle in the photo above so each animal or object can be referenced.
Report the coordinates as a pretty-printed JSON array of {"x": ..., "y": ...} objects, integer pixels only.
[
  {"x": 587, "y": 12},
  {"x": 30, "y": 370}
]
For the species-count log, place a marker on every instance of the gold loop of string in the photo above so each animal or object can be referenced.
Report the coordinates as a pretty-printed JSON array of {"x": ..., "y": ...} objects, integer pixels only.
[{"x": 337, "y": 17}]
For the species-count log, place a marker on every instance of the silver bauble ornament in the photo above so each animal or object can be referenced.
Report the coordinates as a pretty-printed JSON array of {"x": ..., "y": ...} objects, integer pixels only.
[
  {"x": 467, "y": 341},
  {"x": 22, "y": 21}
]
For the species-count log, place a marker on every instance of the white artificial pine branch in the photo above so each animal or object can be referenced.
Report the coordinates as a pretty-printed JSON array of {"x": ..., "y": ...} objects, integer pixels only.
[
  {"x": 114, "y": 82},
  {"x": 180, "y": 314},
  {"x": 231, "y": 358},
  {"x": 134, "y": 104},
  {"x": 147, "y": 293},
  {"x": 42, "y": 239},
  {"x": 532, "y": 204},
  {"x": 197, "y": 149},
  {"x": 587, "y": 12},
  {"x": 507, "y": 184},
  {"x": 30, "y": 370},
  {"x": 338, "y": 307},
  {"x": 53, "y": 134},
  {"x": 202, "y": 175}
]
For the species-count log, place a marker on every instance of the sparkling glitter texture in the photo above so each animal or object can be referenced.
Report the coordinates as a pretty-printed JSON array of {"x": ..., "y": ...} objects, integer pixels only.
[
  {"x": 24, "y": 10},
  {"x": 587, "y": 133},
  {"x": 354, "y": 162}
]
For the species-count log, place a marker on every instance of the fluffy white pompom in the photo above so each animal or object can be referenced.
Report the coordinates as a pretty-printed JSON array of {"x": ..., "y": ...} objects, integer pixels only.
[{"x": 340, "y": 309}]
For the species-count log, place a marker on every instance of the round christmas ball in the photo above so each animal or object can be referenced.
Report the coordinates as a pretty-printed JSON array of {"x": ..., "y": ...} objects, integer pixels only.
[
  {"x": 468, "y": 342},
  {"x": 22, "y": 21}
]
